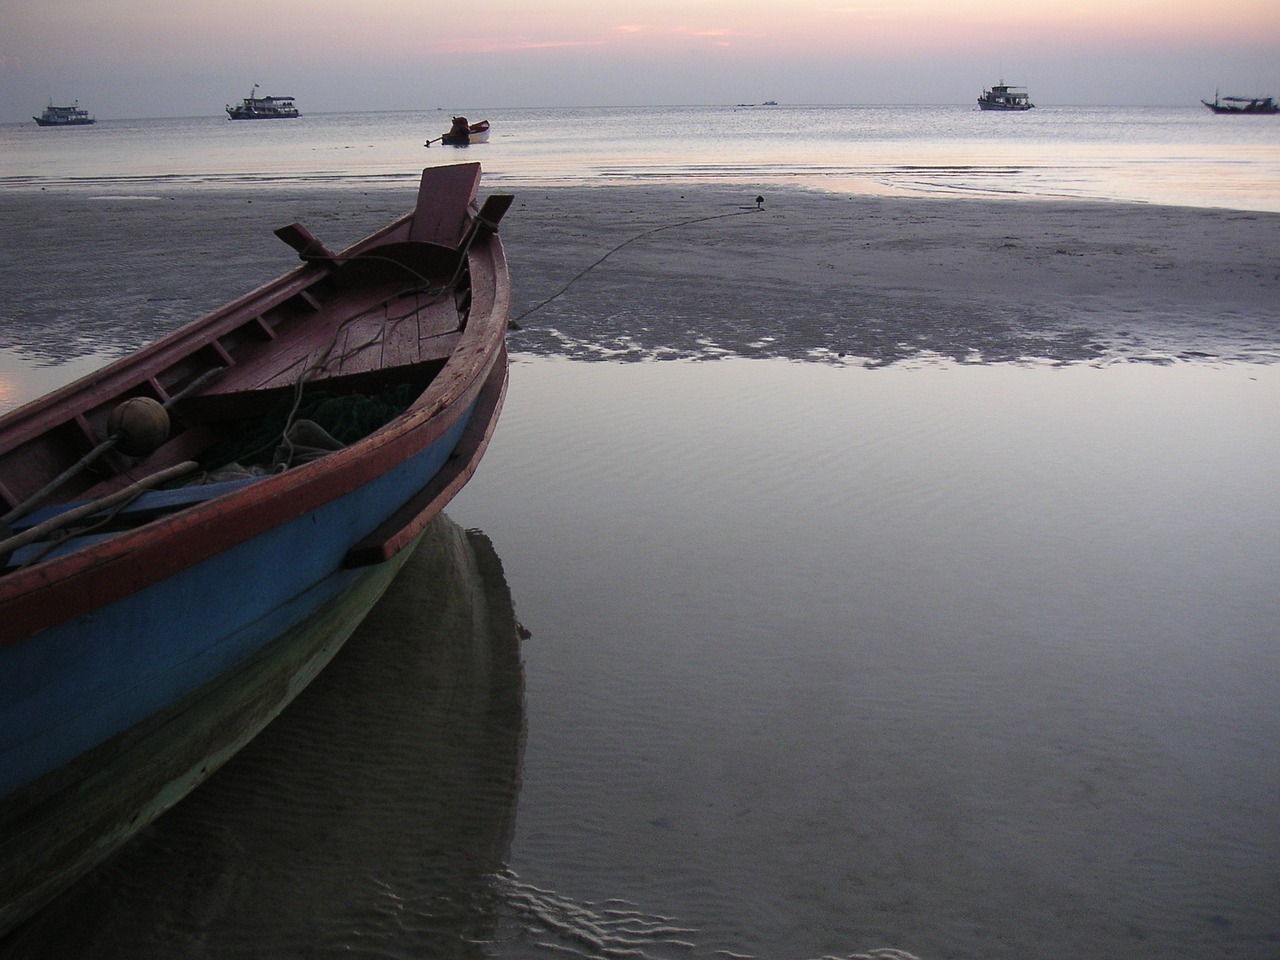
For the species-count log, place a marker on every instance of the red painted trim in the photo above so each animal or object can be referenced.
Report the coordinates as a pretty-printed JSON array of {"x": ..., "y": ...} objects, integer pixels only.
[{"x": 49, "y": 593}]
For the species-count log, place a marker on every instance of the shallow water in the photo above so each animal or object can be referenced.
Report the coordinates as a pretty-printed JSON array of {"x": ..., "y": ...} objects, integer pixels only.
[
  {"x": 822, "y": 661},
  {"x": 960, "y": 661}
]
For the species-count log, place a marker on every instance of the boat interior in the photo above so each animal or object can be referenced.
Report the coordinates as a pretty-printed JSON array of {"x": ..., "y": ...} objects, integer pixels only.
[{"x": 380, "y": 320}]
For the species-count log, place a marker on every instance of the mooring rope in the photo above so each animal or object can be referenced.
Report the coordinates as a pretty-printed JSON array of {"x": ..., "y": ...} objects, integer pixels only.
[{"x": 639, "y": 236}]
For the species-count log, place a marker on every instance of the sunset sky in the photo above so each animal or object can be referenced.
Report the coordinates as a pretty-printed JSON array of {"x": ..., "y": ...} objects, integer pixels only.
[{"x": 158, "y": 58}]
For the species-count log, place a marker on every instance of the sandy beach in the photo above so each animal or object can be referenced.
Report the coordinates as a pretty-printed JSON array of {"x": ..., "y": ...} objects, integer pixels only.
[
  {"x": 971, "y": 658},
  {"x": 639, "y": 272}
]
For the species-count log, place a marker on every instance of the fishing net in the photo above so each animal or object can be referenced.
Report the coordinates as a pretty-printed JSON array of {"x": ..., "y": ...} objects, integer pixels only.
[{"x": 320, "y": 423}]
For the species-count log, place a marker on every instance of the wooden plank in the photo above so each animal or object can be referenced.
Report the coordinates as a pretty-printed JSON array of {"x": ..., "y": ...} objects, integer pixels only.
[
  {"x": 301, "y": 239},
  {"x": 148, "y": 503},
  {"x": 439, "y": 347},
  {"x": 486, "y": 221},
  {"x": 253, "y": 377},
  {"x": 400, "y": 337},
  {"x": 445, "y": 196},
  {"x": 438, "y": 316},
  {"x": 360, "y": 349}
]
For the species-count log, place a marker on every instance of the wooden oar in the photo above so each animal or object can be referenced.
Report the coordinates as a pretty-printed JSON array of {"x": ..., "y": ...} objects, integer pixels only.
[{"x": 42, "y": 530}]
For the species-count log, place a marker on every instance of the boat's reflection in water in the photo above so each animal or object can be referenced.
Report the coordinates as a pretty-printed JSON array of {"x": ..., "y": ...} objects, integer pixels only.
[{"x": 375, "y": 814}]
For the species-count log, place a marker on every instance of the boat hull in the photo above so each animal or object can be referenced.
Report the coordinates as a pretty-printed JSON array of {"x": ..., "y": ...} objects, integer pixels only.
[
  {"x": 133, "y": 663},
  {"x": 80, "y": 682},
  {"x": 1267, "y": 109},
  {"x": 191, "y": 691},
  {"x": 63, "y": 825}
]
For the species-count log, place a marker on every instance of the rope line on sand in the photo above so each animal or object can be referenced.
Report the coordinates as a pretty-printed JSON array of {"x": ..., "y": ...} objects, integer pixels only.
[{"x": 639, "y": 236}]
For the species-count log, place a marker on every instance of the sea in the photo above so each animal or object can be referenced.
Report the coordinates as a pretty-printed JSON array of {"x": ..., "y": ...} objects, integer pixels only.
[
  {"x": 763, "y": 658},
  {"x": 1180, "y": 155}
]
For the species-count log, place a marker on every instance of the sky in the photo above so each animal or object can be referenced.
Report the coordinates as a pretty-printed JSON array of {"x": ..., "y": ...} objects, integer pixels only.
[{"x": 161, "y": 58}]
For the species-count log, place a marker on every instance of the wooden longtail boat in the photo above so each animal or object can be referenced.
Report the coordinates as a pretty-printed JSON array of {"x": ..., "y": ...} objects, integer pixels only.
[
  {"x": 149, "y": 631},
  {"x": 1243, "y": 106},
  {"x": 463, "y": 133}
]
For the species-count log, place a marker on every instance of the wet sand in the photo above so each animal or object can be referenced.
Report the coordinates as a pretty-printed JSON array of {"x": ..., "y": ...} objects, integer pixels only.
[
  {"x": 910, "y": 662},
  {"x": 642, "y": 272}
]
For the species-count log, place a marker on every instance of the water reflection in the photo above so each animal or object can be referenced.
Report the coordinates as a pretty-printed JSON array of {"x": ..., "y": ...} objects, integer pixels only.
[
  {"x": 375, "y": 814},
  {"x": 971, "y": 661}
]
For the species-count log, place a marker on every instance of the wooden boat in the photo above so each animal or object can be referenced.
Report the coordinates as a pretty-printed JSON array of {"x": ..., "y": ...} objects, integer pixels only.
[
  {"x": 72, "y": 116},
  {"x": 254, "y": 107},
  {"x": 1253, "y": 106},
  {"x": 1002, "y": 96},
  {"x": 463, "y": 133},
  {"x": 148, "y": 631}
]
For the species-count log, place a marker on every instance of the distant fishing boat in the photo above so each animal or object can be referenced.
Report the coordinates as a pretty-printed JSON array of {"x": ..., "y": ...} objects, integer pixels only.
[
  {"x": 254, "y": 107},
  {"x": 149, "y": 630},
  {"x": 1005, "y": 97},
  {"x": 462, "y": 132},
  {"x": 1243, "y": 105},
  {"x": 71, "y": 116}
]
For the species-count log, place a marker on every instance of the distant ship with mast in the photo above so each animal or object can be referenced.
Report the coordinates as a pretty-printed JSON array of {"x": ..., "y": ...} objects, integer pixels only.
[{"x": 254, "y": 107}]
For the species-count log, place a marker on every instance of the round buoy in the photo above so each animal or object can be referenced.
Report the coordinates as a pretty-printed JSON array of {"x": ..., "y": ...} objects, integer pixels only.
[{"x": 141, "y": 423}]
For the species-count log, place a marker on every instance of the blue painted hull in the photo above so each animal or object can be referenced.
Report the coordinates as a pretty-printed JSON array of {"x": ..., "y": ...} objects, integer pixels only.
[
  {"x": 70, "y": 820},
  {"x": 111, "y": 718},
  {"x": 99, "y": 674},
  {"x": 155, "y": 638}
]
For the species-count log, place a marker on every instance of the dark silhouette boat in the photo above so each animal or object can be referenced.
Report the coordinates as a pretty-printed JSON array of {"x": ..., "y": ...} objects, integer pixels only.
[
  {"x": 1243, "y": 105},
  {"x": 463, "y": 132}
]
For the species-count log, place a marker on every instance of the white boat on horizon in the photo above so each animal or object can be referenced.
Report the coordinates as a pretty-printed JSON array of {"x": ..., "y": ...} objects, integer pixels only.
[
  {"x": 71, "y": 116},
  {"x": 1002, "y": 96}
]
